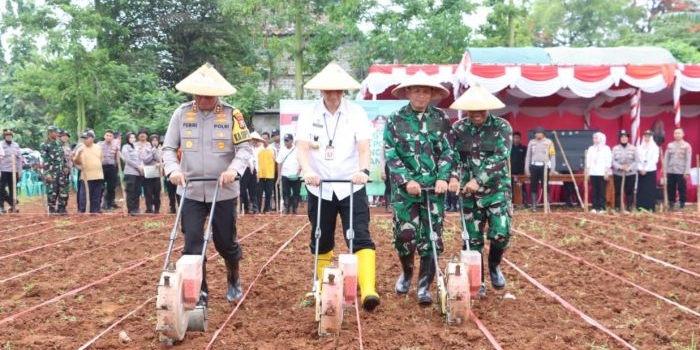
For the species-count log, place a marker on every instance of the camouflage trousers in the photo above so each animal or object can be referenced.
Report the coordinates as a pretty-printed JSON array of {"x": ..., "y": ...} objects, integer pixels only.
[
  {"x": 495, "y": 211},
  {"x": 57, "y": 191},
  {"x": 410, "y": 221}
]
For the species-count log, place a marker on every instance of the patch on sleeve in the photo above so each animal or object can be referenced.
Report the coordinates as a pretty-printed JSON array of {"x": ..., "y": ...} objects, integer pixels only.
[{"x": 240, "y": 131}]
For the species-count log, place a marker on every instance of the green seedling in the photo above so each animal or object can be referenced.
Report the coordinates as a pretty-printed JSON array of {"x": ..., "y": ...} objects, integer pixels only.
[
  {"x": 151, "y": 225},
  {"x": 595, "y": 346},
  {"x": 29, "y": 288},
  {"x": 570, "y": 239},
  {"x": 62, "y": 223},
  {"x": 693, "y": 345}
]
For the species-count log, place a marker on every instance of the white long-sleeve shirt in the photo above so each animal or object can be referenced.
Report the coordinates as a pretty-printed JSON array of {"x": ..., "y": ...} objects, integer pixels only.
[
  {"x": 599, "y": 158},
  {"x": 648, "y": 153}
]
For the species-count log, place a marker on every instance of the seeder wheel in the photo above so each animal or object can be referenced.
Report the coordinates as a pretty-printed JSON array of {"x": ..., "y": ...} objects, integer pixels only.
[
  {"x": 331, "y": 302},
  {"x": 170, "y": 310},
  {"x": 458, "y": 301},
  {"x": 197, "y": 319}
]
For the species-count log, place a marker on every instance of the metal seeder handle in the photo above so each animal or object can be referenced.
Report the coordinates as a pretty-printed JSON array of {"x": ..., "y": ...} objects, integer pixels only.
[{"x": 178, "y": 217}]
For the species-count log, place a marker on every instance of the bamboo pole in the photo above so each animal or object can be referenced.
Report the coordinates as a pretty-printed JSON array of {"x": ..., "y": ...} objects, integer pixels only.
[
  {"x": 664, "y": 179},
  {"x": 585, "y": 183},
  {"x": 545, "y": 185},
  {"x": 568, "y": 166},
  {"x": 622, "y": 192}
]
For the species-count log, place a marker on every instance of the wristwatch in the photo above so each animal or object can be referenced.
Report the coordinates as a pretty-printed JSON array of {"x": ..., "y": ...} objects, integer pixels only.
[{"x": 366, "y": 171}]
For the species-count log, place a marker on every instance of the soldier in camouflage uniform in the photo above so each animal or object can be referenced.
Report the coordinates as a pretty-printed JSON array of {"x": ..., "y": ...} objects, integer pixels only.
[
  {"x": 484, "y": 143},
  {"x": 419, "y": 154},
  {"x": 56, "y": 172}
]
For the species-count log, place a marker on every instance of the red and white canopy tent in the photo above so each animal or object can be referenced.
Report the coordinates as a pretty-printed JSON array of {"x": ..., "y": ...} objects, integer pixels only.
[
  {"x": 569, "y": 88},
  {"x": 608, "y": 89}
]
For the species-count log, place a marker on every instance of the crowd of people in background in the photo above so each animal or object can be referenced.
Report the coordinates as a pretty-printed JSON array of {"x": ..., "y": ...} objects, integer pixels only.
[
  {"x": 633, "y": 170},
  {"x": 274, "y": 172}
]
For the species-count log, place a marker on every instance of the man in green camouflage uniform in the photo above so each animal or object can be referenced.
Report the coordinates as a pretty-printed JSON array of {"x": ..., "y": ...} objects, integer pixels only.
[
  {"x": 419, "y": 154},
  {"x": 484, "y": 142},
  {"x": 56, "y": 172}
]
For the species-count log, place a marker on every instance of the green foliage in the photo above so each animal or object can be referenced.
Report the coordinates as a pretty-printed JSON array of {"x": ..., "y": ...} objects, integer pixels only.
[
  {"x": 583, "y": 22},
  {"x": 423, "y": 31},
  {"x": 506, "y": 21}
]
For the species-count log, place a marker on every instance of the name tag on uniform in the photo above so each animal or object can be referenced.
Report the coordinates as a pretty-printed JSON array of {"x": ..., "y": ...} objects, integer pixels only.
[{"x": 330, "y": 153}]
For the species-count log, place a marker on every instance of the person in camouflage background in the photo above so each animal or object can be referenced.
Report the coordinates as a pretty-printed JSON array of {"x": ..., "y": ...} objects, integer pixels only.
[
  {"x": 419, "y": 154},
  {"x": 484, "y": 143},
  {"x": 56, "y": 172}
]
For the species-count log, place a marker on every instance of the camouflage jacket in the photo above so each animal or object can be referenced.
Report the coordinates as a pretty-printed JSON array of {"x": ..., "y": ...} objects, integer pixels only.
[
  {"x": 484, "y": 152},
  {"x": 54, "y": 157},
  {"x": 419, "y": 150}
]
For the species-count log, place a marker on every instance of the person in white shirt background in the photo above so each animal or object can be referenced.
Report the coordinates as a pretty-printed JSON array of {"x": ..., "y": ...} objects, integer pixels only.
[
  {"x": 289, "y": 170},
  {"x": 598, "y": 163},
  {"x": 333, "y": 142},
  {"x": 648, "y": 156}
]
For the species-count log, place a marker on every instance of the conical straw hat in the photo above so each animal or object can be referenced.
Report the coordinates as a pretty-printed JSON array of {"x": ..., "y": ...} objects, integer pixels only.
[
  {"x": 332, "y": 77},
  {"x": 206, "y": 81},
  {"x": 477, "y": 99},
  {"x": 256, "y": 136},
  {"x": 421, "y": 79}
]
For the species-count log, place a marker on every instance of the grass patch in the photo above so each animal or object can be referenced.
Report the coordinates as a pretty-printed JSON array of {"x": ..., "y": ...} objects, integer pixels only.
[
  {"x": 62, "y": 223},
  {"x": 693, "y": 345},
  {"x": 151, "y": 225}
]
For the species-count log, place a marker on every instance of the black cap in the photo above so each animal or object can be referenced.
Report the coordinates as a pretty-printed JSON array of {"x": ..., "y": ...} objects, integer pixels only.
[
  {"x": 7, "y": 132},
  {"x": 623, "y": 133},
  {"x": 87, "y": 133},
  {"x": 288, "y": 137},
  {"x": 142, "y": 131},
  {"x": 539, "y": 130},
  {"x": 274, "y": 132}
]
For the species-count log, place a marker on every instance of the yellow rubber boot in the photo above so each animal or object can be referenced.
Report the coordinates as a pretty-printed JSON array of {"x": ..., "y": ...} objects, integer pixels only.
[
  {"x": 323, "y": 261},
  {"x": 366, "y": 259}
]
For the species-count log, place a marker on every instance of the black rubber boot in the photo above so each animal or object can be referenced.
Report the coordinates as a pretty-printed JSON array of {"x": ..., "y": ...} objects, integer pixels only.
[
  {"x": 426, "y": 274},
  {"x": 403, "y": 284},
  {"x": 498, "y": 281},
  {"x": 533, "y": 202},
  {"x": 62, "y": 210},
  {"x": 234, "y": 281}
]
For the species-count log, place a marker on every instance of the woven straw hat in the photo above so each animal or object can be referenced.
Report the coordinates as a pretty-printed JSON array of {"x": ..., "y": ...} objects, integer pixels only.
[
  {"x": 477, "y": 99},
  {"x": 256, "y": 136},
  {"x": 206, "y": 81},
  {"x": 421, "y": 79},
  {"x": 332, "y": 77}
]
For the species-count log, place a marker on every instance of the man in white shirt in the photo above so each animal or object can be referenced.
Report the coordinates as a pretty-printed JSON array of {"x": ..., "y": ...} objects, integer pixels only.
[
  {"x": 334, "y": 143},
  {"x": 289, "y": 170}
]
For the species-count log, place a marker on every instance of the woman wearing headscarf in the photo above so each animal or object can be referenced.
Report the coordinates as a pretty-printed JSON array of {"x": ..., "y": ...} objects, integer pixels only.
[
  {"x": 133, "y": 173},
  {"x": 624, "y": 165},
  {"x": 648, "y": 155},
  {"x": 598, "y": 161},
  {"x": 152, "y": 187}
]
